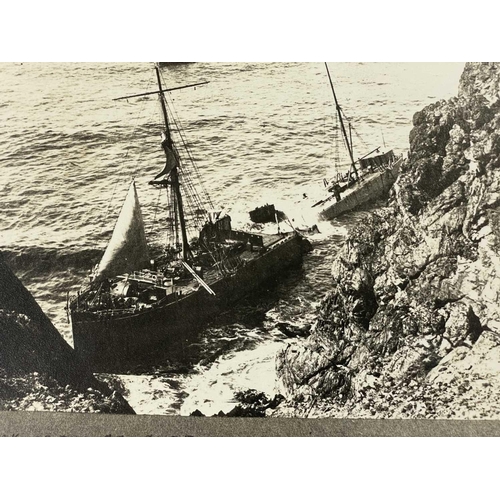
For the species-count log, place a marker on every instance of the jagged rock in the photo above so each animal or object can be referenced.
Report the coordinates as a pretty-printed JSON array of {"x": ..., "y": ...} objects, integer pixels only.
[
  {"x": 293, "y": 330},
  {"x": 418, "y": 284},
  {"x": 197, "y": 413},
  {"x": 254, "y": 404},
  {"x": 480, "y": 79},
  {"x": 412, "y": 362}
]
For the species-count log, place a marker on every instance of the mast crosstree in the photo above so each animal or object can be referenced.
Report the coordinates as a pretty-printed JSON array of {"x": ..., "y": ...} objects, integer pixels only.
[{"x": 171, "y": 171}]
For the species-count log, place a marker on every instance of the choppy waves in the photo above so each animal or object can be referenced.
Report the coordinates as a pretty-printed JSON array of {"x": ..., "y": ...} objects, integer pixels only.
[{"x": 38, "y": 261}]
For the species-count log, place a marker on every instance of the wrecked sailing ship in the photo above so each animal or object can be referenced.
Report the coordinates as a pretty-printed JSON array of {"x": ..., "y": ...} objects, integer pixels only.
[
  {"x": 135, "y": 305},
  {"x": 373, "y": 178}
]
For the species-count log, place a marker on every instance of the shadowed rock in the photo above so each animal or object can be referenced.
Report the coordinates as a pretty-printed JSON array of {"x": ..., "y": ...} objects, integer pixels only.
[{"x": 30, "y": 344}]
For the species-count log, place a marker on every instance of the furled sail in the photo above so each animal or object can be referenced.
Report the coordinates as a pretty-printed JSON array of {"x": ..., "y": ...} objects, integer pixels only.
[
  {"x": 127, "y": 249},
  {"x": 171, "y": 157}
]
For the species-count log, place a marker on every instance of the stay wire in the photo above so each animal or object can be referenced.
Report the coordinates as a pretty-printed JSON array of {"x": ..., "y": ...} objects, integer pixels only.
[{"x": 187, "y": 149}]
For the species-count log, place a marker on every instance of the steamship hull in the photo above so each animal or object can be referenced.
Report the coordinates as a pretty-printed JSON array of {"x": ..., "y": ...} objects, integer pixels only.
[
  {"x": 112, "y": 340},
  {"x": 372, "y": 187}
]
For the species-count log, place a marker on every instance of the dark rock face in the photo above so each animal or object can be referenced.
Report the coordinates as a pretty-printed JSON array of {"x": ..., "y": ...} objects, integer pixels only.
[
  {"x": 419, "y": 282},
  {"x": 38, "y": 369},
  {"x": 251, "y": 403}
]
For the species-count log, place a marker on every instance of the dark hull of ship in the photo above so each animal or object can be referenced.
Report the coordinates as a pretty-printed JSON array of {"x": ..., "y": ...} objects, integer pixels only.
[
  {"x": 111, "y": 343},
  {"x": 370, "y": 189}
]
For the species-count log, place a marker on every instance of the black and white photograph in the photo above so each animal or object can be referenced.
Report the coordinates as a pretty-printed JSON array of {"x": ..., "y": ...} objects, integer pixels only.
[
  {"x": 275, "y": 240},
  {"x": 287, "y": 233}
]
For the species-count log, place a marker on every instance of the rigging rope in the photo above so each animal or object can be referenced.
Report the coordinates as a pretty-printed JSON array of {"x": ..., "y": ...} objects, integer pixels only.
[
  {"x": 193, "y": 163},
  {"x": 354, "y": 129},
  {"x": 195, "y": 211},
  {"x": 187, "y": 149}
]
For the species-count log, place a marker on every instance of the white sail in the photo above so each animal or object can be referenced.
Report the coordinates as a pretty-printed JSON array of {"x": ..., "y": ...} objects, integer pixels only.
[{"x": 127, "y": 249}]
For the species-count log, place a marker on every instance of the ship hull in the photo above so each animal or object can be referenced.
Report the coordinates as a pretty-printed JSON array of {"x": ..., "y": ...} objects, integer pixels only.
[
  {"x": 111, "y": 343},
  {"x": 374, "y": 187}
]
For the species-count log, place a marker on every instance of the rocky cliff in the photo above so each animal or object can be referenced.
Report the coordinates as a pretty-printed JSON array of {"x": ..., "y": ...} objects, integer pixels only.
[
  {"x": 38, "y": 369},
  {"x": 411, "y": 327}
]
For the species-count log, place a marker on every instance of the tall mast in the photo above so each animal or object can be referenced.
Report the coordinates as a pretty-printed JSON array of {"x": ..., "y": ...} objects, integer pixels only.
[
  {"x": 174, "y": 174},
  {"x": 342, "y": 126},
  {"x": 163, "y": 106},
  {"x": 350, "y": 138}
]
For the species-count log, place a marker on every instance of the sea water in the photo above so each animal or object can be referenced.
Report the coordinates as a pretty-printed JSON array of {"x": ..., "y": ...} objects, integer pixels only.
[{"x": 258, "y": 132}]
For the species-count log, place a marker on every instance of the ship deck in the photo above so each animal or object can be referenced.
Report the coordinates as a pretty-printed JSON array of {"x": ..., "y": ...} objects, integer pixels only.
[
  {"x": 365, "y": 178},
  {"x": 187, "y": 286},
  {"x": 270, "y": 239}
]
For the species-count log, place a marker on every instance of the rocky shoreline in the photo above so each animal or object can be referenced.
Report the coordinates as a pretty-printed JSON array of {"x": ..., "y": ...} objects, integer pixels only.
[
  {"x": 38, "y": 369},
  {"x": 411, "y": 326}
]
